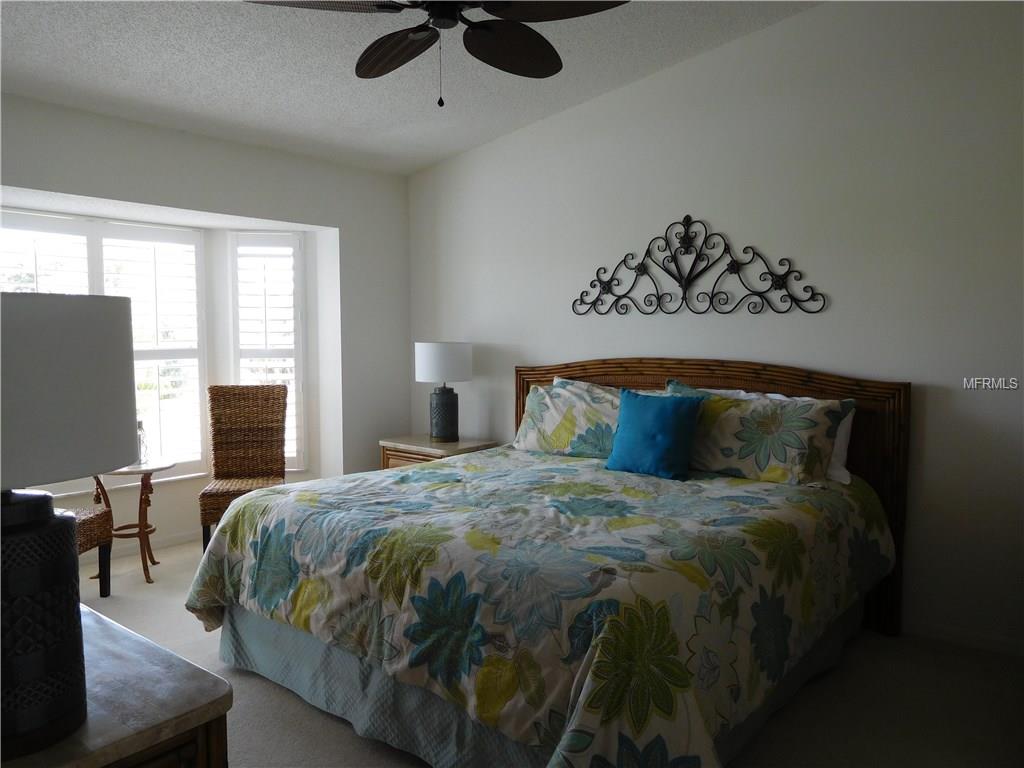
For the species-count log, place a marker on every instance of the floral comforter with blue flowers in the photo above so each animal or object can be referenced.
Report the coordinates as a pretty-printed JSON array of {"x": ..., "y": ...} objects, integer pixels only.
[{"x": 608, "y": 618}]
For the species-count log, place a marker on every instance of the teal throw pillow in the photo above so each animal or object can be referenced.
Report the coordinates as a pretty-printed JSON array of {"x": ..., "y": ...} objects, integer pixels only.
[{"x": 655, "y": 434}]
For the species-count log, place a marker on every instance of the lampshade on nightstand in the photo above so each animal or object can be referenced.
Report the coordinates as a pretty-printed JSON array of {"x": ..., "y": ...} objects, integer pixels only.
[
  {"x": 68, "y": 411},
  {"x": 439, "y": 362}
]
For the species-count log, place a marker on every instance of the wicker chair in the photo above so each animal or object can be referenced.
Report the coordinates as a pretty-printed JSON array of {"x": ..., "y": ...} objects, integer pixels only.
[
  {"x": 95, "y": 528},
  {"x": 247, "y": 426}
]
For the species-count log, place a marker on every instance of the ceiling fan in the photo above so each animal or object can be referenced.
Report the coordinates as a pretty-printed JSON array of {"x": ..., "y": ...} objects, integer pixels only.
[{"x": 504, "y": 42}]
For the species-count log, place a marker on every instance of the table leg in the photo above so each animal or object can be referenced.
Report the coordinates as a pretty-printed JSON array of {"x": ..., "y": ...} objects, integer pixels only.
[
  {"x": 145, "y": 529},
  {"x": 149, "y": 550},
  {"x": 142, "y": 529}
]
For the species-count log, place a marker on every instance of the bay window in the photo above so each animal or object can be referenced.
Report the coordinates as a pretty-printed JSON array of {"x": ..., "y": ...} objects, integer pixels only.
[{"x": 161, "y": 269}]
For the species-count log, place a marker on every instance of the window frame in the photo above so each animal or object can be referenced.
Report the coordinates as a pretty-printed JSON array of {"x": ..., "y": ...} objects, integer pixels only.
[
  {"x": 296, "y": 241},
  {"x": 96, "y": 230}
]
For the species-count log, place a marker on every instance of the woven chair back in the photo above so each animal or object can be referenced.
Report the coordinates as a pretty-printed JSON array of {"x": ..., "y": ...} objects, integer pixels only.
[{"x": 247, "y": 428}]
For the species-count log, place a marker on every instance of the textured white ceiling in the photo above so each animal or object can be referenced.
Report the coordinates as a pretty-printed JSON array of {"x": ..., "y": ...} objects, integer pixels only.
[{"x": 284, "y": 78}]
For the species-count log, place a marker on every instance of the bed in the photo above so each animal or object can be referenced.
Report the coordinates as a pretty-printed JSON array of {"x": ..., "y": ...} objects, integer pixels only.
[{"x": 516, "y": 608}]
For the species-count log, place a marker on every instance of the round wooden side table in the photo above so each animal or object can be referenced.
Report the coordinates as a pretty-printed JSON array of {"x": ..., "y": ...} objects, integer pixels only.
[{"x": 142, "y": 529}]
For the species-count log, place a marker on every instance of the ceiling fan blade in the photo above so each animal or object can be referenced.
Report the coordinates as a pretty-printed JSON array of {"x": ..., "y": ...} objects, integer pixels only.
[
  {"x": 512, "y": 47},
  {"x": 545, "y": 11},
  {"x": 369, "y": 6},
  {"x": 388, "y": 53}
]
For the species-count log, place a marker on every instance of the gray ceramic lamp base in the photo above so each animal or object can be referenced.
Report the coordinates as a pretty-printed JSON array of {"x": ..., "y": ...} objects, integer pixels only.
[
  {"x": 43, "y": 669},
  {"x": 444, "y": 415}
]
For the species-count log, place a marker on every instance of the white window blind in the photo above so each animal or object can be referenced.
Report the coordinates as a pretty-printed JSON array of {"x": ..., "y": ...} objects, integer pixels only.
[
  {"x": 160, "y": 279},
  {"x": 43, "y": 262},
  {"x": 268, "y": 296}
]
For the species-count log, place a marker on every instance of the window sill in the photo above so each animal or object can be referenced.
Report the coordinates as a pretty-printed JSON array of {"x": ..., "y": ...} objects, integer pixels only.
[
  {"x": 135, "y": 484},
  {"x": 160, "y": 481}
]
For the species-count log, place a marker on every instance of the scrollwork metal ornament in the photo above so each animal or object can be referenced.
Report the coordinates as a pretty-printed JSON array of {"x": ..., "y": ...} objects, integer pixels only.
[{"x": 690, "y": 255}]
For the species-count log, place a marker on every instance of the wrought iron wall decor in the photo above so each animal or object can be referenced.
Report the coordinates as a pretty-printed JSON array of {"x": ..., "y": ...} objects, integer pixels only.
[{"x": 689, "y": 255}]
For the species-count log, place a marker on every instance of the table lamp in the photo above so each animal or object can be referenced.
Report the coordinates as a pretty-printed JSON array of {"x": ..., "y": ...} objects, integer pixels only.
[
  {"x": 441, "y": 362},
  {"x": 67, "y": 405}
]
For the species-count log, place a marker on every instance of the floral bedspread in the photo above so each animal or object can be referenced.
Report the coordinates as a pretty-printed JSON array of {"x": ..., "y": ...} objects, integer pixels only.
[{"x": 608, "y": 618}]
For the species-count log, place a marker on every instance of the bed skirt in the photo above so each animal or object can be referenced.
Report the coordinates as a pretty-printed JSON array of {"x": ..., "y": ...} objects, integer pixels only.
[
  {"x": 379, "y": 707},
  {"x": 821, "y": 657}
]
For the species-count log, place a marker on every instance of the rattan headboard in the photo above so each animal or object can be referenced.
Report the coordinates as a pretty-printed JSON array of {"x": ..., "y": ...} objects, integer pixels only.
[{"x": 878, "y": 444}]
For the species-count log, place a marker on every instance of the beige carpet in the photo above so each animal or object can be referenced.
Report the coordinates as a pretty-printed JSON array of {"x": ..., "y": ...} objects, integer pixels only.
[{"x": 891, "y": 704}]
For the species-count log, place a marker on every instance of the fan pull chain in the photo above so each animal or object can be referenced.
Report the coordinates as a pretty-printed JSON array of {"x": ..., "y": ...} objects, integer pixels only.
[{"x": 440, "y": 96}]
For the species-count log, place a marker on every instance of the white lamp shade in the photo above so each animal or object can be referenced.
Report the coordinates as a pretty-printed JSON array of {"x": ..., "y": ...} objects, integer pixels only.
[
  {"x": 441, "y": 361},
  {"x": 67, "y": 386}
]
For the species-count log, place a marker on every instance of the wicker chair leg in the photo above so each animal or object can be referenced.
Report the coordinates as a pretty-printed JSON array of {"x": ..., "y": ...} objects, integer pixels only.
[
  {"x": 105, "y": 569},
  {"x": 206, "y": 537}
]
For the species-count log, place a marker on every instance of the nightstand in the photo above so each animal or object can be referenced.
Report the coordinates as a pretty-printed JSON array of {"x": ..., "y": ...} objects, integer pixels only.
[{"x": 415, "y": 449}]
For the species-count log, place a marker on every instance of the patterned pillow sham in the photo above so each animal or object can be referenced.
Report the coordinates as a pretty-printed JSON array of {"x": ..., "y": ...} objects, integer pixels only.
[
  {"x": 772, "y": 438},
  {"x": 571, "y": 418},
  {"x": 840, "y": 423}
]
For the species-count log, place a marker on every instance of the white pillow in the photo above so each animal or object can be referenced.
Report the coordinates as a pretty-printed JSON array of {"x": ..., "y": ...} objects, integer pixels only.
[{"x": 837, "y": 466}]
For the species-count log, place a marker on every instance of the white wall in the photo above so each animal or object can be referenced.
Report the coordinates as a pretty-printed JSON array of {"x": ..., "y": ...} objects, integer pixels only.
[
  {"x": 51, "y": 148},
  {"x": 880, "y": 147}
]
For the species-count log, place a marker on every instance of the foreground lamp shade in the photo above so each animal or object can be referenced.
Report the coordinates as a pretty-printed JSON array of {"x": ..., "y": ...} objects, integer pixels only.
[
  {"x": 441, "y": 362},
  {"x": 67, "y": 386}
]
